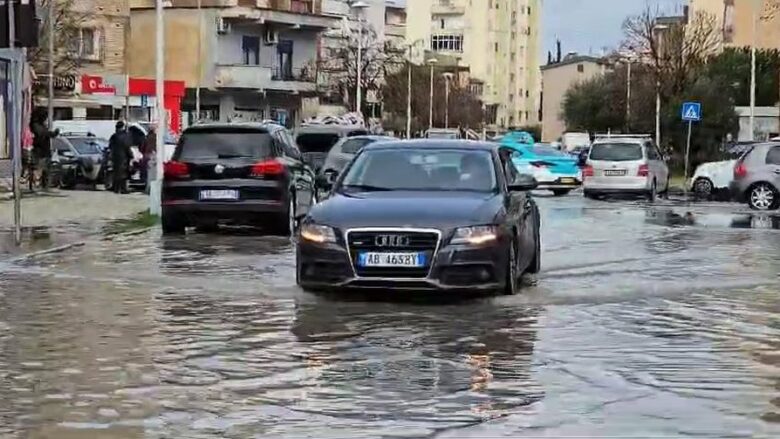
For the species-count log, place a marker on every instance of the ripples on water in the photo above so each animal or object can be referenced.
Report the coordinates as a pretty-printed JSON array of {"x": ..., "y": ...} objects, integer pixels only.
[{"x": 637, "y": 327}]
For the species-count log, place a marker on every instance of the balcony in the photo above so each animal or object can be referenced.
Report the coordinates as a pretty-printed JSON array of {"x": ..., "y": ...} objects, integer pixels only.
[
  {"x": 265, "y": 78},
  {"x": 297, "y": 6},
  {"x": 395, "y": 30}
]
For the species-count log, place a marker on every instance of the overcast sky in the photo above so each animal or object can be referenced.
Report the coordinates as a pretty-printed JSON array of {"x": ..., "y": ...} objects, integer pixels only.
[{"x": 585, "y": 26}]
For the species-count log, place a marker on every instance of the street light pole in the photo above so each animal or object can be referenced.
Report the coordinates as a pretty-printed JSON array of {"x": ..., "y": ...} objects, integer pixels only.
[
  {"x": 628, "y": 97},
  {"x": 51, "y": 66},
  {"x": 358, "y": 7},
  {"x": 155, "y": 193},
  {"x": 432, "y": 63},
  {"x": 200, "y": 64},
  {"x": 756, "y": 4},
  {"x": 447, "y": 78},
  {"x": 409, "y": 96}
]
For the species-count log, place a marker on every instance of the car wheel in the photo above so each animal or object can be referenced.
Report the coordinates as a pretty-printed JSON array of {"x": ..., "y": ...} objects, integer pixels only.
[
  {"x": 173, "y": 224},
  {"x": 108, "y": 180},
  {"x": 703, "y": 187},
  {"x": 510, "y": 284},
  {"x": 561, "y": 192},
  {"x": 652, "y": 193},
  {"x": 763, "y": 196}
]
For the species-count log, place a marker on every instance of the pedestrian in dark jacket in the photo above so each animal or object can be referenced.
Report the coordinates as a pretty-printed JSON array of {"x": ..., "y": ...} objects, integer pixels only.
[
  {"x": 121, "y": 154},
  {"x": 41, "y": 152}
]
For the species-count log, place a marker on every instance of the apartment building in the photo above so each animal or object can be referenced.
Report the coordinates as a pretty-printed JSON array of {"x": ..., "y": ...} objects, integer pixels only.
[
  {"x": 736, "y": 18},
  {"x": 97, "y": 50},
  {"x": 252, "y": 59},
  {"x": 557, "y": 78},
  {"x": 498, "y": 40}
]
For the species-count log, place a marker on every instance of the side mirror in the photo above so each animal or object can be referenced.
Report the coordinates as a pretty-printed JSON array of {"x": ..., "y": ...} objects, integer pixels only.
[
  {"x": 523, "y": 183},
  {"x": 327, "y": 179}
]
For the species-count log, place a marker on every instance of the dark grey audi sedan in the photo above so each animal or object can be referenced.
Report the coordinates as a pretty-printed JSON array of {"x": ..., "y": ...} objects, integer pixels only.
[{"x": 442, "y": 215}]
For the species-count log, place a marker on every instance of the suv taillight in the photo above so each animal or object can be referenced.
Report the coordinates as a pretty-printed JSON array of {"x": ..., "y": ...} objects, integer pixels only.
[
  {"x": 740, "y": 170},
  {"x": 267, "y": 168},
  {"x": 644, "y": 171},
  {"x": 176, "y": 170},
  {"x": 587, "y": 171}
]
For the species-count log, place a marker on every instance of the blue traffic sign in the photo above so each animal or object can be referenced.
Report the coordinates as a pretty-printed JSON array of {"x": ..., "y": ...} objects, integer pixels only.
[{"x": 691, "y": 111}]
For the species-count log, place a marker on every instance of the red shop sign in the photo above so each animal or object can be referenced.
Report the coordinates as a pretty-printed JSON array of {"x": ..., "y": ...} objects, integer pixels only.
[{"x": 94, "y": 84}]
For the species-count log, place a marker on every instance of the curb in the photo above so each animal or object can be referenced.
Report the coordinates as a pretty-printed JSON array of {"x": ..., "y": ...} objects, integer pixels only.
[{"x": 50, "y": 251}]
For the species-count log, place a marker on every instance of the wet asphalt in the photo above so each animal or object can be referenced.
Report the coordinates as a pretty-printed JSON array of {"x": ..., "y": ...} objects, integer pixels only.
[{"x": 646, "y": 321}]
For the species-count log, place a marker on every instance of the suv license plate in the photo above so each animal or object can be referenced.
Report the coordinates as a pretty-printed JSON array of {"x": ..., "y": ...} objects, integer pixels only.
[
  {"x": 219, "y": 194},
  {"x": 614, "y": 172},
  {"x": 411, "y": 260}
]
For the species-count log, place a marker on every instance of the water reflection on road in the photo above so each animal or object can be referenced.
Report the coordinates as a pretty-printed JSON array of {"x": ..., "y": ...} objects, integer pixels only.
[{"x": 646, "y": 321}]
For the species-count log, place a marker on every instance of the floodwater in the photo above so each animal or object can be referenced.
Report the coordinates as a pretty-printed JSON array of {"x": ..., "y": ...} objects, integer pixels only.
[{"x": 646, "y": 321}]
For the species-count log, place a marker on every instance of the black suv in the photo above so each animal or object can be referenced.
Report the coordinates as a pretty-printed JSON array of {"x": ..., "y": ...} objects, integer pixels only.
[{"x": 246, "y": 174}]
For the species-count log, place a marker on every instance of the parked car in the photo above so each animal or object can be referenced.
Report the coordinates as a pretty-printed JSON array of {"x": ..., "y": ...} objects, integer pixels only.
[
  {"x": 80, "y": 158},
  {"x": 315, "y": 141},
  {"x": 554, "y": 170},
  {"x": 625, "y": 166},
  {"x": 249, "y": 174},
  {"x": 343, "y": 152},
  {"x": 443, "y": 133},
  {"x": 711, "y": 180},
  {"x": 757, "y": 177},
  {"x": 440, "y": 215}
]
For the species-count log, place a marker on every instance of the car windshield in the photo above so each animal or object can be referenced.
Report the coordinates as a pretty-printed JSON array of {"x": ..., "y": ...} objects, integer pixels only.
[
  {"x": 616, "y": 152},
  {"x": 422, "y": 169},
  {"x": 547, "y": 151},
  {"x": 352, "y": 146},
  {"x": 224, "y": 144},
  {"x": 316, "y": 142},
  {"x": 88, "y": 145}
]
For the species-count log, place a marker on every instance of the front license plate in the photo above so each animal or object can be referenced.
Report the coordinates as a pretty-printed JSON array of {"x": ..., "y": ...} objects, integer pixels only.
[
  {"x": 568, "y": 180},
  {"x": 219, "y": 194},
  {"x": 411, "y": 260},
  {"x": 614, "y": 172}
]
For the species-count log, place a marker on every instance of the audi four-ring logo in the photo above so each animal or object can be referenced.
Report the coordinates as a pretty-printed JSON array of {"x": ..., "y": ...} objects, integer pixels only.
[{"x": 391, "y": 241}]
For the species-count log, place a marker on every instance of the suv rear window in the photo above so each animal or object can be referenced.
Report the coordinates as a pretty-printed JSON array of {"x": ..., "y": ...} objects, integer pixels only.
[
  {"x": 316, "y": 142},
  {"x": 616, "y": 152},
  {"x": 225, "y": 144}
]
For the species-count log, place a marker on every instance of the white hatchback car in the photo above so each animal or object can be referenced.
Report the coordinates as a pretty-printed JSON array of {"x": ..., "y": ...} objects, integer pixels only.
[{"x": 625, "y": 166}]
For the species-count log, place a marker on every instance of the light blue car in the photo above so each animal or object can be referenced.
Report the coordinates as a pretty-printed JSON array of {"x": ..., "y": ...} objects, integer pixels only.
[{"x": 555, "y": 171}]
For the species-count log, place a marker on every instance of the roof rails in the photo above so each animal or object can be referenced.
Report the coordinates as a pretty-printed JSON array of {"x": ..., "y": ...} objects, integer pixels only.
[{"x": 77, "y": 133}]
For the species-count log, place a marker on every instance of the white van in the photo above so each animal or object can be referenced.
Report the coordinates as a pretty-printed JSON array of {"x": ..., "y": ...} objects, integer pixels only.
[{"x": 571, "y": 141}]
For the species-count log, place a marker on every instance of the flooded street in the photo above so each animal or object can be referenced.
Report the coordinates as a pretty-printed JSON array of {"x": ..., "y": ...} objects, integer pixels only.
[{"x": 645, "y": 321}]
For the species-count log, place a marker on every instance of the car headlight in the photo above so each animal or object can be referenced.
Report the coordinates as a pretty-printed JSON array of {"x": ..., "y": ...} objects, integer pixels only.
[
  {"x": 474, "y": 235},
  {"x": 317, "y": 233}
]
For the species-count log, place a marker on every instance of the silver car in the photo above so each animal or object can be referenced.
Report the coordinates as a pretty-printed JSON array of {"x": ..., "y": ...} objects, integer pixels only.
[
  {"x": 757, "y": 177},
  {"x": 625, "y": 166}
]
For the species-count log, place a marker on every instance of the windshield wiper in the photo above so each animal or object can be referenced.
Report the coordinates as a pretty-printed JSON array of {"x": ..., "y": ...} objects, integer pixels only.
[{"x": 366, "y": 187}]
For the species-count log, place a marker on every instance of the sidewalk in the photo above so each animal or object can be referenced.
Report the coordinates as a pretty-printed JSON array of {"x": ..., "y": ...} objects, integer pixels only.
[{"x": 63, "y": 217}]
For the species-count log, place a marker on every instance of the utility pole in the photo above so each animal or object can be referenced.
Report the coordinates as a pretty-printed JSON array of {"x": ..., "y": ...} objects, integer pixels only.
[
  {"x": 432, "y": 62},
  {"x": 409, "y": 96},
  {"x": 200, "y": 64},
  {"x": 155, "y": 194},
  {"x": 628, "y": 97},
  {"x": 51, "y": 67},
  {"x": 756, "y": 4},
  {"x": 15, "y": 131}
]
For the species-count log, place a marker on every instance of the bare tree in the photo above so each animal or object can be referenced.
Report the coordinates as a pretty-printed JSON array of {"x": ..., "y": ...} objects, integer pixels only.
[
  {"x": 674, "y": 49},
  {"x": 68, "y": 24},
  {"x": 379, "y": 58}
]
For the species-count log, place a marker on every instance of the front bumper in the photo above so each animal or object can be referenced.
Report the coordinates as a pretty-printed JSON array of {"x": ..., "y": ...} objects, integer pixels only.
[{"x": 453, "y": 268}]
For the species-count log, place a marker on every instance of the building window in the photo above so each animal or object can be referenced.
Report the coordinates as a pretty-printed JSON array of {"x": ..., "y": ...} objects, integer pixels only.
[
  {"x": 496, "y": 44},
  {"x": 447, "y": 43},
  {"x": 527, "y": 94},
  {"x": 512, "y": 56},
  {"x": 86, "y": 45},
  {"x": 514, "y": 35},
  {"x": 514, "y": 17},
  {"x": 250, "y": 45},
  {"x": 512, "y": 78},
  {"x": 580, "y": 68},
  {"x": 511, "y": 97},
  {"x": 529, "y": 10}
]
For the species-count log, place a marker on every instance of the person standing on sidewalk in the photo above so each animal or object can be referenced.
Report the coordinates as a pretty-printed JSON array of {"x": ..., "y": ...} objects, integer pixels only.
[
  {"x": 119, "y": 146},
  {"x": 41, "y": 152}
]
